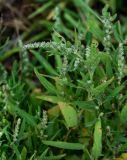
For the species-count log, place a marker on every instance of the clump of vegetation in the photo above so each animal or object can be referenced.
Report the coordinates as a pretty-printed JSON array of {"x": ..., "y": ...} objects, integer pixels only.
[{"x": 65, "y": 98}]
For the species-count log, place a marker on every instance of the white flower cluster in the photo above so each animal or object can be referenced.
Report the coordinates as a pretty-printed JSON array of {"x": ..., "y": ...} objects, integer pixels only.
[
  {"x": 3, "y": 85},
  {"x": 5, "y": 92},
  {"x": 65, "y": 66},
  {"x": 52, "y": 45},
  {"x": 57, "y": 18},
  {"x": 16, "y": 132},
  {"x": 4, "y": 72},
  {"x": 24, "y": 59},
  {"x": 121, "y": 61},
  {"x": 108, "y": 31},
  {"x": 36, "y": 45},
  {"x": 108, "y": 129},
  {"x": 88, "y": 51},
  {"x": 76, "y": 63},
  {"x": 44, "y": 122},
  {"x": 25, "y": 63},
  {"x": 107, "y": 20},
  {"x": 79, "y": 56},
  {"x": 65, "y": 50},
  {"x": 4, "y": 89}
]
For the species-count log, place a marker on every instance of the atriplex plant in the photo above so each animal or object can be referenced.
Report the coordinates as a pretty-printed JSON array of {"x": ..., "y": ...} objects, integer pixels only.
[
  {"x": 81, "y": 109},
  {"x": 85, "y": 84}
]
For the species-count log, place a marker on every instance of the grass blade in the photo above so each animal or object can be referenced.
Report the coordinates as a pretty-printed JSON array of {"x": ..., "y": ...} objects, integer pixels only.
[
  {"x": 48, "y": 86},
  {"x": 44, "y": 63},
  {"x": 40, "y": 10},
  {"x": 65, "y": 145}
]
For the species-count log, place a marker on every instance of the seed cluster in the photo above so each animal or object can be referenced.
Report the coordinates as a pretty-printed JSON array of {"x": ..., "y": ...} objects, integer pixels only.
[
  {"x": 16, "y": 132},
  {"x": 43, "y": 126},
  {"x": 121, "y": 61},
  {"x": 108, "y": 31}
]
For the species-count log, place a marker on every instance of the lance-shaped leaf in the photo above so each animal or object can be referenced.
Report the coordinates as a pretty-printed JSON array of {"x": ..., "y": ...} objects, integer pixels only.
[
  {"x": 69, "y": 114},
  {"x": 48, "y": 86},
  {"x": 101, "y": 88},
  {"x": 97, "y": 146},
  {"x": 65, "y": 145},
  {"x": 44, "y": 63},
  {"x": 123, "y": 115}
]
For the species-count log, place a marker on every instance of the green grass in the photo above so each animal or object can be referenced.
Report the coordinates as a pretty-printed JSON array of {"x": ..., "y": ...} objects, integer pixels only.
[{"x": 63, "y": 83}]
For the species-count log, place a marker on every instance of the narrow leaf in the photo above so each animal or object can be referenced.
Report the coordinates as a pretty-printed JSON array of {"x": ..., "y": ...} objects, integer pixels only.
[
  {"x": 54, "y": 157},
  {"x": 87, "y": 105},
  {"x": 52, "y": 99},
  {"x": 28, "y": 118},
  {"x": 101, "y": 88},
  {"x": 48, "y": 86},
  {"x": 40, "y": 10},
  {"x": 114, "y": 93},
  {"x": 65, "y": 145},
  {"x": 24, "y": 153},
  {"x": 97, "y": 146},
  {"x": 123, "y": 115},
  {"x": 44, "y": 63}
]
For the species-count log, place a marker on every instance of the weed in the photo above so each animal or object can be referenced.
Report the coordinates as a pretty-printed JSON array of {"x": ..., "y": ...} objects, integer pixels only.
[{"x": 78, "y": 109}]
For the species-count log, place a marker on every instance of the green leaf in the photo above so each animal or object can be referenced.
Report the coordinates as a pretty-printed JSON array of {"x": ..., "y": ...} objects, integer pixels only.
[
  {"x": 54, "y": 157},
  {"x": 65, "y": 145},
  {"x": 15, "y": 148},
  {"x": 43, "y": 154},
  {"x": 105, "y": 11},
  {"x": 93, "y": 60},
  {"x": 118, "y": 32},
  {"x": 58, "y": 61},
  {"x": 69, "y": 114},
  {"x": 52, "y": 99},
  {"x": 90, "y": 118},
  {"x": 109, "y": 69},
  {"x": 88, "y": 38},
  {"x": 85, "y": 8},
  {"x": 28, "y": 118},
  {"x": 113, "y": 93},
  {"x": 123, "y": 115},
  {"x": 9, "y": 53},
  {"x": 22, "y": 129},
  {"x": 94, "y": 28},
  {"x": 40, "y": 10},
  {"x": 44, "y": 63},
  {"x": 5, "y": 131},
  {"x": 97, "y": 146},
  {"x": 71, "y": 20},
  {"x": 101, "y": 88},
  {"x": 87, "y": 105},
  {"x": 100, "y": 73},
  {"x": 24, "y": 153},
  {"x": 48, "y": 86},
  {"x": 15, "y": 110}
]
